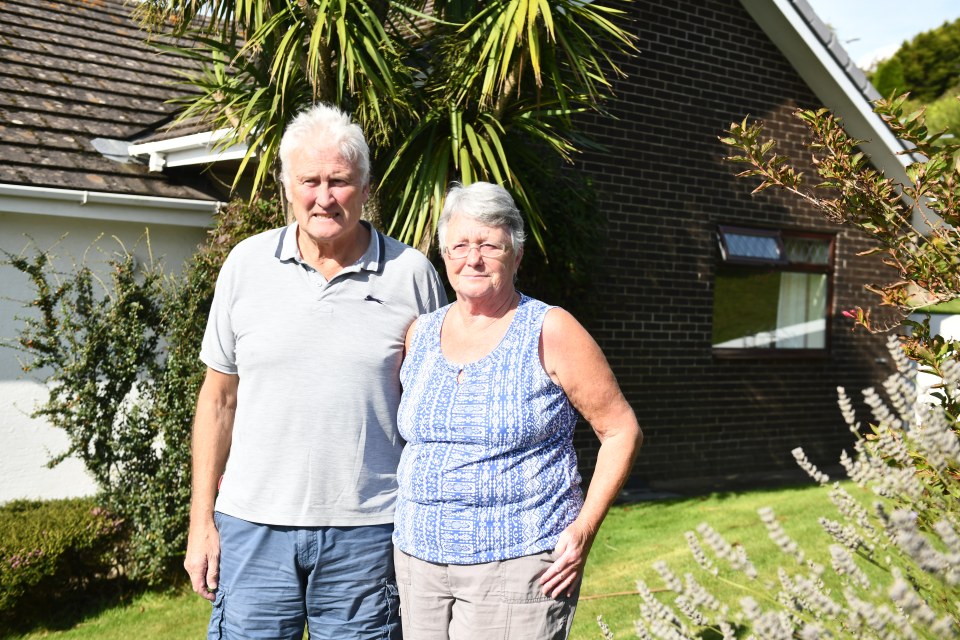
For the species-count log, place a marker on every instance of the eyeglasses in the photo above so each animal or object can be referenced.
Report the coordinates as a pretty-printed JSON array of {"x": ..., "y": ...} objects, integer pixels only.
[{"x": 461, "y": 250}]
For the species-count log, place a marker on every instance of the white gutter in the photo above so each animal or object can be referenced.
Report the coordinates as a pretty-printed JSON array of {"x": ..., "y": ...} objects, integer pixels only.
[
  {"x": 198, "y": 148},
  {"x": 782, "y": 22},
  {"x": 98, "y": 205}
]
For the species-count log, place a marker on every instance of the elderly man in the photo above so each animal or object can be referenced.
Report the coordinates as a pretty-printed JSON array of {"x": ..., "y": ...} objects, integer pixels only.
[{"x": 297, "y": 413}]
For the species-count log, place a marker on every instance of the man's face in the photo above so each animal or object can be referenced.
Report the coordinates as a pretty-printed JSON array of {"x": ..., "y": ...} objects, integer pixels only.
[{"x": 325, "y": 193}]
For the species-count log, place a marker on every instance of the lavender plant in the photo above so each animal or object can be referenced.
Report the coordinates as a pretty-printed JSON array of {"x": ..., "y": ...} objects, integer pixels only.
[{"x": 894, "y": 565}]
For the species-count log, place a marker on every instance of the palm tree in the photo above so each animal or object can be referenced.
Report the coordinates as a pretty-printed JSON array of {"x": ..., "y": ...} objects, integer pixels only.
[{"x": 445, "y": 89}]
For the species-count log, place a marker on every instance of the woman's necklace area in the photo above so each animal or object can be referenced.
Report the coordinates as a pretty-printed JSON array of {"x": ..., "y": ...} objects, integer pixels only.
[
  {"x": 469, "y": 333},
  {"x": 492, "y": 320}
]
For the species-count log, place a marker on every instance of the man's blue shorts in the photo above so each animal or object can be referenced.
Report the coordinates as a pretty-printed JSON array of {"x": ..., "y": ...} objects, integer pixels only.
[{"x": 337, "y": 581}]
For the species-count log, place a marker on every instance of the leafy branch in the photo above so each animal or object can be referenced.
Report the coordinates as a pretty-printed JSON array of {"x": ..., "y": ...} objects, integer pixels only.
[{"x": 911, "y": 224}]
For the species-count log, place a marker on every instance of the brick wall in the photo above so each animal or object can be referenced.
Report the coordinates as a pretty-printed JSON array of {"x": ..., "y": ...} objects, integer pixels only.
[{"x": 664, "y": 187}]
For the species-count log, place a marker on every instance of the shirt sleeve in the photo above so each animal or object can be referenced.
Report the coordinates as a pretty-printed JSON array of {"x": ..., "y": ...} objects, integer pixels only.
[
  {"x": 218, "y": 350},
  {"x": 432, "y": 294}
]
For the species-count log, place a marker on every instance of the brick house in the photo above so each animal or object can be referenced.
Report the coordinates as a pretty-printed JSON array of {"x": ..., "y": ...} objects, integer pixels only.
[
  {"x": 719, "y": 311},
  {"x": 722, "y": 403}
]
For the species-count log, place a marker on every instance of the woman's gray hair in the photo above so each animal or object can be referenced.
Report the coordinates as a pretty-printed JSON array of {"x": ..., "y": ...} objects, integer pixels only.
[
  {"x": 489, "y": 204},
  {"x": 324, "y": 124}
]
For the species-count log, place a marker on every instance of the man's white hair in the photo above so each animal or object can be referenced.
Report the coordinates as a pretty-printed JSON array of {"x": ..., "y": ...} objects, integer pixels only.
[{"x": 324, "y": 124}]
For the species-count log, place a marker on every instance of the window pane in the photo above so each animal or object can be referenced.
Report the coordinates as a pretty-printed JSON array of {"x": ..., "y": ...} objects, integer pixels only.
[
  {"x": 754, "y": 247},
  {"x": 755, "y": 309},
  {"x": 807, "y": 250},
  {"x": 801, "y": 311}
]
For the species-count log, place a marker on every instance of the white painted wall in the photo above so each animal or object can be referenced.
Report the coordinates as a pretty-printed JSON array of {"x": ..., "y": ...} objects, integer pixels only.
[
  {"x": 26, "y": 444},
  {"x": 947, "y": 326},
  {"x": 944, "y": 325}
]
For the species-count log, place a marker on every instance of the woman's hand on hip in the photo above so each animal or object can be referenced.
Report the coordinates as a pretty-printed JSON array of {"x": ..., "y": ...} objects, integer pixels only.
[{"x": 565, "y": 573}]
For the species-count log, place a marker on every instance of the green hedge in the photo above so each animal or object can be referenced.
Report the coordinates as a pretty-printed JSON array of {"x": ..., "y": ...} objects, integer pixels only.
[{"x": 51, "y": 549}]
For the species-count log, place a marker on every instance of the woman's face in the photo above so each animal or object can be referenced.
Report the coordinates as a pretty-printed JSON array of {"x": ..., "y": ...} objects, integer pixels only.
[{"x": 476, "y": 276}]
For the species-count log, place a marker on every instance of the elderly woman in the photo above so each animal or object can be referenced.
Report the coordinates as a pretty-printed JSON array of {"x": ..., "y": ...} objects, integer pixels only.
[{"x": 492, "y": 530}]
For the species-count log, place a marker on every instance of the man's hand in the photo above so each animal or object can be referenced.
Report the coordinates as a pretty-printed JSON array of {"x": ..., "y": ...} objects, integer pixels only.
[
  {"x": 203, "y": 559},
  {"x": 565, "y": 573}
]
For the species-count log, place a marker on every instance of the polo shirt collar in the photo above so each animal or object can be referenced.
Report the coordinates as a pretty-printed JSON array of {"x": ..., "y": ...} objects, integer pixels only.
[{"x": 371, "y": 260}]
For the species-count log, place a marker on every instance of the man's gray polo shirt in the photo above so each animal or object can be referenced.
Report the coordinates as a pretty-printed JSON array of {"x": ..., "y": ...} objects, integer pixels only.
[{"x": 315, "y": 440}]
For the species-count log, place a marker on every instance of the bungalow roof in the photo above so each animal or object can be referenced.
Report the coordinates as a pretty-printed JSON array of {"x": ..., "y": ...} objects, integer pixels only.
[{"x": 78, "y": 84}]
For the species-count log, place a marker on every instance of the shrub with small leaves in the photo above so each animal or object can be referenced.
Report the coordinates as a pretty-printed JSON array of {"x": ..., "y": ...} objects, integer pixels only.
[
  {"x": 121, "y": 360},
  {"x": 893, "y": 569},
  {"x": 912, "y": 225}
]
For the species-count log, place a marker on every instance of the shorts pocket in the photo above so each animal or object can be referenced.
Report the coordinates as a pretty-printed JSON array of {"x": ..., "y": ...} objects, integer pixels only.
[
  {"x": 216, "y": 628},
  {"x": 391, "y": 596},
  {"x": 520, "y": 578}
]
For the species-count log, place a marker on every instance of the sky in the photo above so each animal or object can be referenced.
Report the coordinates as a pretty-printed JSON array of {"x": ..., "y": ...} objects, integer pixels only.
[{"x": 873, "y": 30}]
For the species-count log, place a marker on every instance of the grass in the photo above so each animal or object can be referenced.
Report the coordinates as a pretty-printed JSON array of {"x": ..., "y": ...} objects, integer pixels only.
[
  {"x": 175, "y": 615},
  {"x": 950, "y": 307},
  {"x": 635, "y": 536},
  {"x": 632, "y": 538}
]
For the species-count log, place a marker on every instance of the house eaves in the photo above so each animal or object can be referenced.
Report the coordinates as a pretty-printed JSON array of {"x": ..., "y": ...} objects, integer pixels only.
[
  {"x": 79, "y": 82},
  {"x": 195, "y": 149},
  {"x": 97, "y": 205},
  {"x": 813, "y": 51}
]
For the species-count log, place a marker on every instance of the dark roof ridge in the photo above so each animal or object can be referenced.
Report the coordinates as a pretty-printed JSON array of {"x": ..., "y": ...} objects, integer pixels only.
[{"x": 830, "y": 42}]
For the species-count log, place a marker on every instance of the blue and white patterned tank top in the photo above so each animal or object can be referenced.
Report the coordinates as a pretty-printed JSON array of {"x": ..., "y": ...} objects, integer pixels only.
[{"x": 489, "y": 471}]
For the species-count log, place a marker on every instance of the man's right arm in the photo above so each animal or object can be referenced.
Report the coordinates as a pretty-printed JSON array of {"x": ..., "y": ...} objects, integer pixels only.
[{"x": 212, "y": 434}]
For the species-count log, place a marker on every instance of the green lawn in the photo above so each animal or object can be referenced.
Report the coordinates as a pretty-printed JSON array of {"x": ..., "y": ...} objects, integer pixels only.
[
  {"x": 174, "y": 616},
  {"x": 632, "y": 538},
  {"x": 635, "y": 536}
]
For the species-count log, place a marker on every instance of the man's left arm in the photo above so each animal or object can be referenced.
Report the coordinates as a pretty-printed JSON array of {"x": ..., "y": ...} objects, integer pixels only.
[{"x": 430, "y": 292}]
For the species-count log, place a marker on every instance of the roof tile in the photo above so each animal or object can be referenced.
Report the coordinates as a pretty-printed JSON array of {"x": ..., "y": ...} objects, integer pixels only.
[{"x": 72, "y": 71}]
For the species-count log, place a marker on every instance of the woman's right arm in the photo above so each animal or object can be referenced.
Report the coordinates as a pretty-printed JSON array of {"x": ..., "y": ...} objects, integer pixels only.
[
  {"x": 409, "y": 338},
  {"x": 574, "y": 360}
]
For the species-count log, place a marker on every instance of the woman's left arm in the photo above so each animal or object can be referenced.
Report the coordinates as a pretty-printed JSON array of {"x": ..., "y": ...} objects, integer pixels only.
[{"x": 574, "y": 360}]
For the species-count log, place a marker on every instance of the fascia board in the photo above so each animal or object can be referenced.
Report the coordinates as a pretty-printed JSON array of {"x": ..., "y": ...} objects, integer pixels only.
[
  {"x": 95, "y": 205},
  {"x": 204, "y": 156},
  {"x": 782, "y": 22},
  {"x": 197, "y": 148}
]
